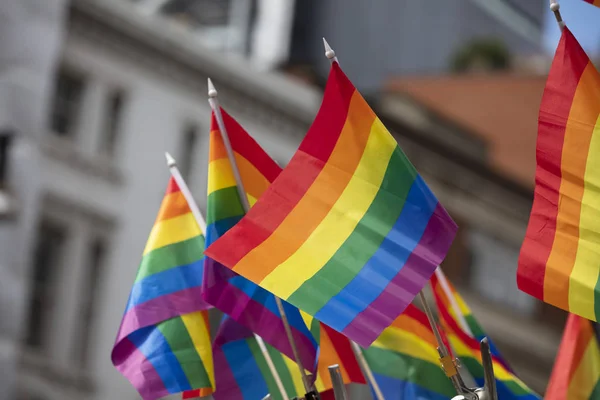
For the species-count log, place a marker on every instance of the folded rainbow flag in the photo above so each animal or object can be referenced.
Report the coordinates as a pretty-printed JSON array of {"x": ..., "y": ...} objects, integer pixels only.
[
  {"x": 467, "y": 349},
  {"x": 236, "y": 296},
  {"x": 349, "y": 232},
  {"x": 576, "y": 373},
  {"x": 405, "y": 360},
  {"x": 560, "y": 257},
  {"x": 473, "y": 328},
  {"x": 242, "y": 372},
  {"x": 163, "y": 345}
]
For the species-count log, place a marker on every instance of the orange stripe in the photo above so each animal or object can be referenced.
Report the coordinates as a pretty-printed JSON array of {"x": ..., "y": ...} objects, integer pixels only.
[
  {"x": 325, "y": 343},
  {"x": 585, "y": 334},
  {"x": 173, "y": 205},
  {"x": 408, "y": 324},
  {"x": 217, "y": 147},
  {"x": 580, "y": 127},
  {"x": 318, "y": 200}
]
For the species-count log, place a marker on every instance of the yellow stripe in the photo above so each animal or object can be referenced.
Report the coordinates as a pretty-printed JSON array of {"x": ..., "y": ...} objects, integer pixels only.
[
  {"x": 341, "y": 220},
  {"x": 200, "y": 335},
  {"x": 406, "y": 343},
  {"x": 319, "y": 384},
  {"x": 584, "y": 276},
  {"x": 171, "y": 231},
  {"x": 296, "y": 377},
  {"x": 220, "y": 175},
  {"x": 462, "y": 350},
  {"x": 587, "y": 373}
]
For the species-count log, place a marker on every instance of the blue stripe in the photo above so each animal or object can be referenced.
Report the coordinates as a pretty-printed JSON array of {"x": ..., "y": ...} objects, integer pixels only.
[
  {"x": 245, "y": 370},
  {"x": 386, "y": 262},
  {"x": 166, "y": 282},
  {"x": 154, "y": 346},
  {"x": 505, "y": 393},
  {"x": 218, "y": 228},
  {"x": 267, "y": 299},
  {"x": 395, "y": 389}
]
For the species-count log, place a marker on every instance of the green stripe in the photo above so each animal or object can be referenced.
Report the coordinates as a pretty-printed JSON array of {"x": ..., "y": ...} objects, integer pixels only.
[
  {"x": 315, "y": 330},
  {"x": 182, "y": 346},
  {"x": 222, "y": 204},
  {"x": 596, "y": 392},
  {"x": 363, "y": 242},
  {"x": 283, "y": 372},
  {"x": 171, "y": 256},
  {"x": 409, "y": 369},
  {"x": 474, "y": 326},
  {"x": 476, "y": 370}
]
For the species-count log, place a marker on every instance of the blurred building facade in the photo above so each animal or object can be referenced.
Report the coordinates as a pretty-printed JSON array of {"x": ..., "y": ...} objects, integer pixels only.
[{"x": 89, "y": 178}]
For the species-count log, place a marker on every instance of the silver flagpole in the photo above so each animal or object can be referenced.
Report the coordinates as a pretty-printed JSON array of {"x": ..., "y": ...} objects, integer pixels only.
[
  {"x": 185, "y": 190},
  {"x": 214, "y": 104},
  {"x": 337, "y": 382}
]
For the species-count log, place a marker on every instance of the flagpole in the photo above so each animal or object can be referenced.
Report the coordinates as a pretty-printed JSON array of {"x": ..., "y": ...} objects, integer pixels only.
[
  {"x": 555, "y": 8},
  {"x": 185, "y": 190},
  {"x": 446, "y": 288},
  {"x": 216, "y": 108},
  {"x": 449, "y": 365},
  {"x": 366, "y": 369}
]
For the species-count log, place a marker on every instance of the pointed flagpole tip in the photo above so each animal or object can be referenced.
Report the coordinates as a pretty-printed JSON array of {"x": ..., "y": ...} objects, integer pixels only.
[
  {"x": 329, "y": 53},
  {"x": 170, "y": 160},
  {"x": 212, "y": 92}
]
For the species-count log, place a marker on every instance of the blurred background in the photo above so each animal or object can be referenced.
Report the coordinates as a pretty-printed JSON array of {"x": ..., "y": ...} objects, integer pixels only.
[{"x": 93, "y": 92}]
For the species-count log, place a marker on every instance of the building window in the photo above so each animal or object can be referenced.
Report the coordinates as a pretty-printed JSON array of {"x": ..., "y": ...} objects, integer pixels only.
[
  {"x": 94, "y": 263},
  {"x": 47, "y": 259},
  {"x": 188, "y": 144},
  {"x": 66, "y": 103},
  {"x": 112, "y": 120}
]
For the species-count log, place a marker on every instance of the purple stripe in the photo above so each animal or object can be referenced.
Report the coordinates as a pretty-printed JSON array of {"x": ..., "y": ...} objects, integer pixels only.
[
  {"x": 134, "y": 366},
  {"x": 161, "y": 309},
  {"x": 252, "y": 314},
  {"x": 401, "y": 291}
]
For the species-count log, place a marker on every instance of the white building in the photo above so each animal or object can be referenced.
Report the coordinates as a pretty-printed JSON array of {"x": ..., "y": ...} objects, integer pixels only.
[{"x": 86, "y": 181}]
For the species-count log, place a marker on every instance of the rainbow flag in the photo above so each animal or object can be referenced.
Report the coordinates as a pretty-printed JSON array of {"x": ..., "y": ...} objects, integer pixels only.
[
  {"x": 473, "y": 328},
  {"x": 242, "y": 372},
  {"x": 559, "y": 261},
  {"x": 466, "y": 348},
  {"x": 163, "y": 345},
  {"x": 349, "y": 232},
  {"x": 236, "y": 296},
  {"x": 576, "y": 373},
  {"x": 405, "y": 360}
]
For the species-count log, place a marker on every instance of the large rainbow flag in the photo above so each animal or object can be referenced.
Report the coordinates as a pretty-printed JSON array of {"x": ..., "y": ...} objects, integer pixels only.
[
  {"x": 560, "y": 261},
  {"x": 242, "y": 372},
  {"x": 467, "y": 348},
  {"x": 405, "y": 360},
  {"x": 236, "y": 296},
  {"x": 576, "y": 373},
  {"x": 349, "y": 232},
  {"x": 163, "y": 345}
]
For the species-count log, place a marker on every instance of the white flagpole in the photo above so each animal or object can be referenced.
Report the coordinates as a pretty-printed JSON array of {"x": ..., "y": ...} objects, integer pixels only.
[
  {"x": 555, "y": 8},
  {"x": 453, "y": 303},
  {"x": 185, "y": 190},
  {"x": 216, "y": 108}
]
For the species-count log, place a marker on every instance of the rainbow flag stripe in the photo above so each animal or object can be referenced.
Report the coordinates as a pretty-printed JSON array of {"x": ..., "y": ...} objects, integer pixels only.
[
  {"x": 236, "y": 296},
  {"x": 467, "y": 349},
  {"x": 242, "y": 372},
  {"x": 476, "y": 331},
  {"x": 349, "y": 232},
  {"x": 576, "y": 373},
  {"x": 559, "y": 260},
  {"x": 163, "y": 344},
  {"x": 405, "y": 361},
  {"x": 593, "y": 2}
]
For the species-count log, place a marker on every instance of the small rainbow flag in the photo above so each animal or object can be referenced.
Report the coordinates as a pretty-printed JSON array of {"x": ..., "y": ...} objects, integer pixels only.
[
  {"x": 576, "y": 373},
  {"x": 236, "y": 296},
  {"x": 466, "y": 348},
  {"x": 349, "y": 232},
  {"x": 163, "y": 345},
  {"x": 242, "y": 372},
  {"x": 405, "y": 360},
  {"x": 559, "y": 261}
]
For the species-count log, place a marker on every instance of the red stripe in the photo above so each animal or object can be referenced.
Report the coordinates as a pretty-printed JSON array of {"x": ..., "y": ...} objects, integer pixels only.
[
  {"x": 413, "y": 312},
  {"x": 344, "y": 351},
  {"x": 172, "y": 187},
  {"x": 245, "y": 145},
  {"x": 567, "y": 68},
  {"x": 327, "y": 126}
]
